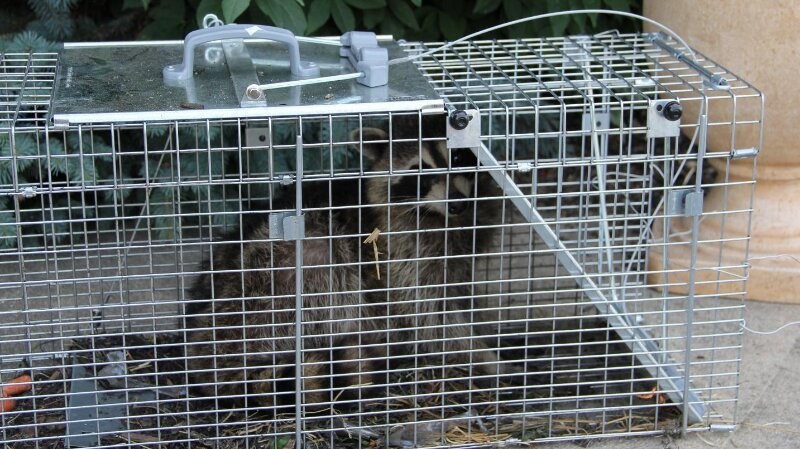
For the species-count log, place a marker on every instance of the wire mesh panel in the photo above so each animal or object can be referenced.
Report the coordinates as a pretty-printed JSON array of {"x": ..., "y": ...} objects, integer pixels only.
[{"x": 520, "y": 264}]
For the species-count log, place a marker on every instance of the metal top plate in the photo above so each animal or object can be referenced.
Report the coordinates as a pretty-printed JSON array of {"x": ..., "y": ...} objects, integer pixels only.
[{"x": 122, "y": 82}]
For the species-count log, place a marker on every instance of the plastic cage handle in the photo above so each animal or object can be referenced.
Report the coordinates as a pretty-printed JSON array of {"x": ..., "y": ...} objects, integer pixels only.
[{"x": 184, "y": 70}]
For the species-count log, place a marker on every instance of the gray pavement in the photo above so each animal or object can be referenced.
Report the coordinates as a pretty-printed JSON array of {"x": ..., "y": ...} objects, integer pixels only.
[{"x": 769, "y": 398}]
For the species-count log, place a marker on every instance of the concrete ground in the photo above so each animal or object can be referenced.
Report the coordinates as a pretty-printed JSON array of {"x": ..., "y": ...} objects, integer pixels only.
[{"x": 769, "y": 398}]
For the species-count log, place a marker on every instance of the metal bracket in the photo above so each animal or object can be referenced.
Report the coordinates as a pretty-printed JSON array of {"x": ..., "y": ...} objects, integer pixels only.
[
  {"x": 366, "y": 56},
  {"x": 685, "y": 202},
  {"x": 658, "y": 125},
  {"x": 693, "y": 204},
  {"x": 243, "y": 72},
  {"x": 641, "y": 343},
  {"x": 287, "y": 226},
  {"x": 602, "y": 121},
  {"x": 257, "y": 136},
  {"x": 92, "y": 411},
  {"x": 468, "y": 132}
]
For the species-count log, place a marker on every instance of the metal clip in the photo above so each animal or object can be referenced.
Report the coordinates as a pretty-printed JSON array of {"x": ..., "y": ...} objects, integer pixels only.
[
  {"x": 27, "y": 192},
  {"x": 287, "y": 226},
  {"x": 362, "y": 49},
  {"x": 686, "y": 202},
  {"x": 693, "y": 204}
]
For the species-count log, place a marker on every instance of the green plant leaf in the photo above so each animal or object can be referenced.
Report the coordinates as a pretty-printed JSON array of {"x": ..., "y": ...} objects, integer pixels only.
[
  {"x": 391, "y": 26},
  {"x": 367, "y": 4},
  {"x": 431, "y": 22},
  {"x": 417, "y": 2},
  {"x": 373, "y": 17},
  {"x": 56, "y": 157},
  {"x": 162, "y": 212},
  {"x": 232, "y": 9},
  {"x": 486, "y": 6},
  {"x": 343, "y": 16},
  {"x": 132, "y": 4},
  {"x": 318, "y": 14},
  {"x": 512, "y": 9},
  {"x": 404, "y": 13},
  {"x": 168, "y": 20},
  {"x": 593, "y": 4},
  {"x": 619, "y": 5},
  {"x": 24, "y": 145},
  {"x": 285, "y": 14},
  {"x": 452, "y": 26},
  {"x": 8, "y": 227},
  {"x": 559, "y": 23}
]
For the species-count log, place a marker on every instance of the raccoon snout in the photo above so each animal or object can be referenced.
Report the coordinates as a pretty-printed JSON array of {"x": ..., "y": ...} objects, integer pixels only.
[{"x": 457, "y": 203}]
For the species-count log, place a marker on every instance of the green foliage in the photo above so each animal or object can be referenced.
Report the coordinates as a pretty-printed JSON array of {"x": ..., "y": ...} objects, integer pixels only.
[
  {"x": 31, "y": 160},
  {"x": 45, "y": 22},
  {"x": 407, "y": 19}
]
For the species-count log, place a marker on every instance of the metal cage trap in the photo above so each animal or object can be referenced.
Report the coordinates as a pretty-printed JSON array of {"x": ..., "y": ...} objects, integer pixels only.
[{"x": 494, "y": 244}]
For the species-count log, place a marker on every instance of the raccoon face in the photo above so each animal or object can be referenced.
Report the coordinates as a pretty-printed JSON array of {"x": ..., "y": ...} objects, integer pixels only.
[{"x": 420, "y": 173}]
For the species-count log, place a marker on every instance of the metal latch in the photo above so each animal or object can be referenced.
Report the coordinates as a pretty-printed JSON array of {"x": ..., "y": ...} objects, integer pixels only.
[
  {"x": 287, "y": 226},
  {"x": 686, "y": 202},
  {"x": 366, "y": 56}
]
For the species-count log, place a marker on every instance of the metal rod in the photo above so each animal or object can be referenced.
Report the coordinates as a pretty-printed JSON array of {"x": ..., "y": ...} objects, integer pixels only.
[
  {"x": 298, "y": 302},
  {"x": 690, "y": 294},
  {"x": 716, "y": 80},
  {"x": 254, "y": 91},
  {"x": 638, "y": 340}
]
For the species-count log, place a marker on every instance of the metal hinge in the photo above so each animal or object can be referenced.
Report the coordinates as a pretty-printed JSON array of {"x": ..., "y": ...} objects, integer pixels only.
[{"x": 711, "y": 80}]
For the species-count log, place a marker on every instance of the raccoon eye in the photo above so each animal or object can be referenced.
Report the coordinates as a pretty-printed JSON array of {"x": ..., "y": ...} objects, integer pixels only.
[{"x": 414, "y": 167}]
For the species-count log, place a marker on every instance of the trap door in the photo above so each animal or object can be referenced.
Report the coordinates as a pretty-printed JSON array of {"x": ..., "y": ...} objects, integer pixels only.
[{"x": 580, "y": 69}]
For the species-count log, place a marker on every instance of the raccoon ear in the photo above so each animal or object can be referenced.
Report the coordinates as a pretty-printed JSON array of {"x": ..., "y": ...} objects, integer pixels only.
[{"x": 367, "y": 142}]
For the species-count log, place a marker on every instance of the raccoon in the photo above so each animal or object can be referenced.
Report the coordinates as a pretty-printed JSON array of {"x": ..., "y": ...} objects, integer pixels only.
[
  {"x": 240, "y": 321},
  {"x": 430, "y": 228},
  {"x": 242, "y": 307}
]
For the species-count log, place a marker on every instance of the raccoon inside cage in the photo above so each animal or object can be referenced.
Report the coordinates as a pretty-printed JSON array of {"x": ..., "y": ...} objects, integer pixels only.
[{"x": 498, "y": 245}]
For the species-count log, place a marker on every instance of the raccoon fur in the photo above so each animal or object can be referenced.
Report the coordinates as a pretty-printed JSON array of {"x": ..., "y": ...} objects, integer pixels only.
[
  {"x": 240, "y": 320},
  {"x": 432, "y": 223}
]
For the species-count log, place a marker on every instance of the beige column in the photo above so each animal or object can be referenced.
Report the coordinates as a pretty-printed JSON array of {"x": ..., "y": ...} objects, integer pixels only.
[{"x": 758, "y": 41}]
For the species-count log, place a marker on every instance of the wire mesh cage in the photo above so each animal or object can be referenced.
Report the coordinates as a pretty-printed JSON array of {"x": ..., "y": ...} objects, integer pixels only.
[{"x": 505, "y": 254}]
